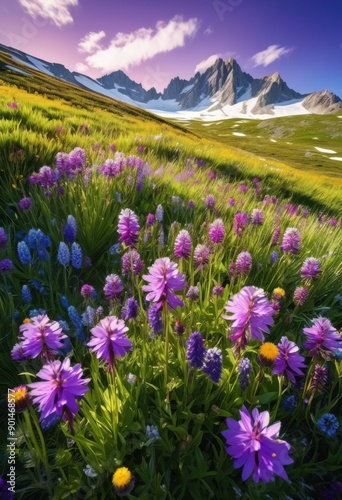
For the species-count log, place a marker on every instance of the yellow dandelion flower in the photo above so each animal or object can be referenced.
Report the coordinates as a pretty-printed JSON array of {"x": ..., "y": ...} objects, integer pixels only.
[
  {"x": 122, "y": 478},
  {"x": 280, "y": 292},
  {"x": 26, "y": 320},
  {"x": 268, "y": 352}
]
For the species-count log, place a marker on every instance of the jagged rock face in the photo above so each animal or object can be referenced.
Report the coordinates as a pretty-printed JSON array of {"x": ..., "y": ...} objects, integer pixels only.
[
  {"x": 174, "y": 89},
  {"x": 321, "y": 103},
  {"x": 119, "y": 80},
  {"x": 271, "y": 90}
]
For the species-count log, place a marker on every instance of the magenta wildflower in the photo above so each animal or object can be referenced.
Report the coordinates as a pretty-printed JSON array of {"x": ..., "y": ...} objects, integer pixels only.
[
  {"x": 310, "y": 269},
  {"x": 319, "y": 379},
  {"x": 61, "y": 385},
  {"x": 191, "y": 204},
  {"x": 113, "y": 287},
  {"x": 130, "y": 309},
  {"x": 109, "y": 340},
  {"x": 17, "y": 353},
  {"x": 201, "y": 256},
  {"x": 276, "y": 236},
  {"x": 87, "y": 291},
  {"x": 128, "y": 227},
  {"x": 243, "y": 263},
  {"x": 241, "y": 220},
  {"x": 243, "y": 188},
  {"x": 41, "y": 337},
  {"x": 322, "y": 339},
  {"x": 150, "y": 219},
  {"x": 231, "y": 202},
  {"x": 289, "y": 362},
  {"x": 132, "y": 263},
  {"x": 25, "y": 204},
  {"x": 252, "y": 314},
  {"x": 300, "y": 295},
  {"x": 218, "y": 291},
  {"x": 193, "y": 293},
  {"x": 255, "y": 446},
  {"x": 6, "y": 265},
  {"x": 216, "y": 231},
  {"x": 195, "y": 350},
  {"x": 291, "y": 241},
  {"x": 164, "y": 278},
  {"x": 183, "y": 244},
  {"x": 155, "y": 319}
]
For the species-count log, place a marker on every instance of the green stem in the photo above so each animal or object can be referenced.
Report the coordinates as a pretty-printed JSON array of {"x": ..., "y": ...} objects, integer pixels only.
[{"x": 167, "y": 340}]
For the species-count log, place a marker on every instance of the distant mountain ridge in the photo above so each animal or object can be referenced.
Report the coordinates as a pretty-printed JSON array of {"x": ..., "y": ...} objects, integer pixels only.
[{"x": 222, "y": 90}]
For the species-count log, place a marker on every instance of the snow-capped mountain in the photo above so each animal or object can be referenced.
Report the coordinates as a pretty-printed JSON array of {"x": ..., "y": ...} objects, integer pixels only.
[{"x": 222, "y": 91}]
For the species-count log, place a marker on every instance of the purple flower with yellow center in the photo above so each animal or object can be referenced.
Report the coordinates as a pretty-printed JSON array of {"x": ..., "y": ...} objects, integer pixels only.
[
  {"x": 322, "y": 339},
  {"x": 128, "y": 227},
  {"x": 255, "y": 446},
  {"x": 243, "y": 263},
  {"x": 310, "y": 269},
  {"x": 113, "y": 287},
  {"x": 291, "y": 241},
  {"x": 201, "y": 256},
  {"x": 289, "y": 362},
  {"x": 252, "y": 314},
  {"x": 61, "y": 385},
  {"x": 183, "y": 244},
  {"x": 164, "y": 278},
  {"x": 216, "y": 231},
  {"x": 109, "y": 340},
  {"x": 41, "y": 337},
  {"x": 25, "y": 204}
]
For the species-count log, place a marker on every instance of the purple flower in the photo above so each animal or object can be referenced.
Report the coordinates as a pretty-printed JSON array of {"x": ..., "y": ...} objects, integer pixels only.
[
  {"x": 183, "y": 244},
  {"x": 322, "y": 339},
  {"x": 76, "y": 255},
  {"x": 241, "y": 220},
  {"x": 41, "y": 337},
  {"x": 46, "y": 177},
  {"x": 3, "y": 238},
  {"x": 25, "y": 204},
  {"x": 6, "y": 265},
  {"x": 113, "y": 287},
  {"x": 150, "y": 219},
  {"x": 201, "y": 256},
  {"x": 191, "y": 204},
  {"x": 310, "y": 269},
  {"x": 70, "y": 230},
  {"x": 319, "y": 378},
  {"x": 109, "y": 340},
  {"x": 256, "y": 447},
  {"x": 131, "y": 263},
  {"x": 212, "y": 364},
  {"x": 257, "y": 217},
  {"x": 243, "y": 263},
  {"x": 61, "y": 385},
  {"x": 210, "y": 201},
  {"x": 195, "y": 350},
  {"x": 77, "y": 159},
  {"x": 218, "y": 291},
  {"x": 231, "y": 202},
  {"x": 291, "y": 241},
  {"x": 164, "y": 278},
  {"x": 24, "y": 253},
  {"x": 274, "y": 257},
  {"x": 328, "y": 424},
  {"x": 289, "y": 362},
  {"x": 17, "y": 353},
  {"x": 155, "y": 319},
  {"x": 5, "y": 492},
  {"x": 130, "y": 309},
  {"x": 216, "y": 231},
  {"x": 63, "y": 255},
  {"x": 159, "y": 213},
  {"x": 243, "y": 188},
  {"x": 193, "y": 293},
  {"x": 87, "y": 291},
  {"x": 276, "y": 236},
  {"x": 300, "y": 295},
  {"x": 244, "y": 369},
  {"x": 252, "y": 314},
  {"x": 128, "y": 227}
]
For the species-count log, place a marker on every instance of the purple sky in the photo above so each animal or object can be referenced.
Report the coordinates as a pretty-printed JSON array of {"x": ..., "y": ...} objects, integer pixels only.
[{"x": 155, "y": 41}]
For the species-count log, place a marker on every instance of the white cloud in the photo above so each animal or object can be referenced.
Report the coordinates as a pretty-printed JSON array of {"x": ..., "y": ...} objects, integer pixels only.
[
  {"x": 56, "y": 11},
  {"x": 90, "y": 42},
  {"x": 208, "y": 31},
  {"x": 206, "y": 63},
  {"x": 269, "y": 55},
  {"x": 128, "y": 49},
  {"x": 81, "y": 68}
]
